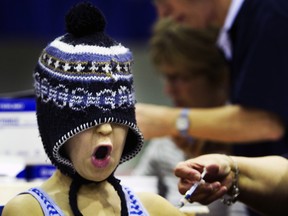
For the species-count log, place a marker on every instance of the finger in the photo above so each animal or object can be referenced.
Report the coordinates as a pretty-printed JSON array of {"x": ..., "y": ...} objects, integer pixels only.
[
  {"x": 187, "y": 171},
  {"x": 208, "y": 193},
  {"x": 184, "y": 185},
  {"x": 214, "y": 196}
]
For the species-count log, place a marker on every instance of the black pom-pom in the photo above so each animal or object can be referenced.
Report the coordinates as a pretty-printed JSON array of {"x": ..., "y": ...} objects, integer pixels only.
[{"x": 84, "y": 19}]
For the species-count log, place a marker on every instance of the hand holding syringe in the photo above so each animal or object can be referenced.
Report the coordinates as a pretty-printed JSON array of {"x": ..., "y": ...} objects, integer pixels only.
[{"x": 189, "y": 193}]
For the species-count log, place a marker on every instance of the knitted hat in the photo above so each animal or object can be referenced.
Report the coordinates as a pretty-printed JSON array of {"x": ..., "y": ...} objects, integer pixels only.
[{"x": 83, "y": 79}]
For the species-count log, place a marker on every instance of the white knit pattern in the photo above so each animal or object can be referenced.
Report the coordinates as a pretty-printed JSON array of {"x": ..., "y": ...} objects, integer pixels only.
[{"x": 80, "y": 48}]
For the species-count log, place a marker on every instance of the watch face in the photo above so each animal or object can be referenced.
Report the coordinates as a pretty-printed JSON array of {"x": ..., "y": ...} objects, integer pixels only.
[{"x": 182, "y": 123}]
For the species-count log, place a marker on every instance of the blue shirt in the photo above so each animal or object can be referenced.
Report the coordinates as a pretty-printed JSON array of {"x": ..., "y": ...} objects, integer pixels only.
[{"x": 259, "y": 65}]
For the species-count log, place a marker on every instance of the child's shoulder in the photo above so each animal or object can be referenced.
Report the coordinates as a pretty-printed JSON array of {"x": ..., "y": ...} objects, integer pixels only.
[
  {"x": 157, "y": 205},
  {"x": 23, "y": 204}
]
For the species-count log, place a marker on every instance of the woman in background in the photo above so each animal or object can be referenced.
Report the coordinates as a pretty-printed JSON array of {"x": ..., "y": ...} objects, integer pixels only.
[{"x": 195, "y": 75}]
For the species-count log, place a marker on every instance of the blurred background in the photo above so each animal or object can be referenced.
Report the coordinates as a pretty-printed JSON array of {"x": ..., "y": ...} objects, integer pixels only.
[{"x": 27, "y": 26}]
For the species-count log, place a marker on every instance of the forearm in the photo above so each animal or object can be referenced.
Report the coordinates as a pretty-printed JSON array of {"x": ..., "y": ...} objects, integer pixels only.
[
  {"x": 263, "y": 183},
  {"x": 228, "y": 124},
  {"x": 235, "y": 124}
]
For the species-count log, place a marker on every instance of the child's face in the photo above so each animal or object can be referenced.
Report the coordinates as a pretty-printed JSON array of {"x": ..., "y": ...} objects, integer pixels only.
[{"x": 96, "y": 152}]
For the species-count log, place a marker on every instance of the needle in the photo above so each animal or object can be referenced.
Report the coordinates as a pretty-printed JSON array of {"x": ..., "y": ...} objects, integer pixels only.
[{"x": 189, "y": 193}]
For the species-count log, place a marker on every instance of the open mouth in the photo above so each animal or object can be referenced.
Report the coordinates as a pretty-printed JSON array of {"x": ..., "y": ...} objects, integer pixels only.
[
  {"x": 102, "y": 152},
  {"x": 101, "y": 156}
]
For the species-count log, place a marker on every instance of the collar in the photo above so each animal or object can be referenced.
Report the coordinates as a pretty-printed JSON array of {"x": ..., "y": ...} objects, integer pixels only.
[{"x": 223, "y": 41}]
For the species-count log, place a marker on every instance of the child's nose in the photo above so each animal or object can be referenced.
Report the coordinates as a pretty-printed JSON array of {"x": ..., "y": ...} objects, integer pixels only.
[{"x": 104, "y": 128}]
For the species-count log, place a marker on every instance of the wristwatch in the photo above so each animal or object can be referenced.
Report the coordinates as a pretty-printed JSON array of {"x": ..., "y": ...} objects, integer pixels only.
[{"x": 183, "y": 122}]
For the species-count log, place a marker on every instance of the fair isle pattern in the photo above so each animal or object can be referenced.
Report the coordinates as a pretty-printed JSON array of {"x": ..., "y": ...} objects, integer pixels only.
[
  {"x": 65, "y": 137},
  {"x": 134, "y": 207},
  {"x": 79, "y": 98},
  {"x": 79, "y": 66},
  {"x": 82, "y": 59},
  {"x": 48, "y": 206},
  {"x": 87, "y": 65}
]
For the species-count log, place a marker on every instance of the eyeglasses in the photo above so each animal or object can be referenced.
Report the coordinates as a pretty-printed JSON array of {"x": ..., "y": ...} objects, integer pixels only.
[{"x": 172, "y": 78}]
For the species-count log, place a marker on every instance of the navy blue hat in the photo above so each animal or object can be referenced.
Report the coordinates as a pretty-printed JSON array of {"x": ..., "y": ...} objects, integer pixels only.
[{"x": 83, "y": 79}]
